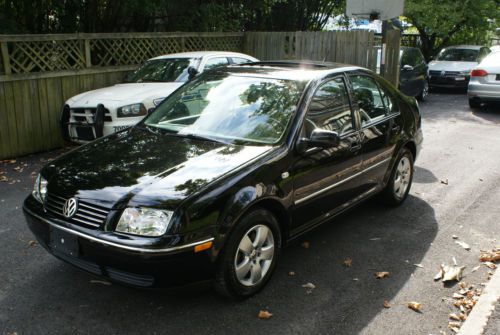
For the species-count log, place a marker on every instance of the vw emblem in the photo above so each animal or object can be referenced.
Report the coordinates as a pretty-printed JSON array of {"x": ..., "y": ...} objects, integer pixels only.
[
  {"x": 70, "y": 207},
  {"x": 443, "y": 73}
]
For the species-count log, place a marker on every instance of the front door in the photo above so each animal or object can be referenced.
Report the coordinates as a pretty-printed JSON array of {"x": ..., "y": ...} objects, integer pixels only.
[
  {"x": 324, "y": 178},
  {"x": 380, "y": 128}
]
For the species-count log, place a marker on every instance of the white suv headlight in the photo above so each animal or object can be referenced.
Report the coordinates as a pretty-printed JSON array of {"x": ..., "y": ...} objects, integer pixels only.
[
  {"x": 144, "y": 221},
  {"x": 40, "y": 189}
]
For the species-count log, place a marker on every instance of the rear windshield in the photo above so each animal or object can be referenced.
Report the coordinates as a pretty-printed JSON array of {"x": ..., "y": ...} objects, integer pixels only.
[{"x": 458, "y": 55}]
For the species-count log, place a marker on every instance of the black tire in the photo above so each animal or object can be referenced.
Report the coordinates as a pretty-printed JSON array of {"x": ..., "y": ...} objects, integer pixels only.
[
  {"x": 389, "y": 196},
  {"x": 99, "y": 121},
  {"x": 474, "y": 103},
  {"x": 424, "y": 93},
  {"x": 226, "y": 281}
]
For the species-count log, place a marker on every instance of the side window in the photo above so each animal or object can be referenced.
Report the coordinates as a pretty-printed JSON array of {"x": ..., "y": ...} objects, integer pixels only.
[
  {"x": 330, "y": 109},
  {"x": 215, "y": 62},
  {"x": 238, "y": 60},
  {"x": 374, "y": 103}
]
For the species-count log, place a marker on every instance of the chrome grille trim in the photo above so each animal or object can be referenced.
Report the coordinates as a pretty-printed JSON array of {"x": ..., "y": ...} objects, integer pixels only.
[{"x": 87, "y": 214}]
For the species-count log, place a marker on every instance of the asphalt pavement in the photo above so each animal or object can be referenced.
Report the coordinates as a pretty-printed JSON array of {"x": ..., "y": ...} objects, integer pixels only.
[{"x": 456, "y": 191}]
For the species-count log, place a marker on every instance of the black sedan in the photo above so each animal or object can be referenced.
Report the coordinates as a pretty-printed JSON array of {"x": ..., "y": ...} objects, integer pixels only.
[{"x": 226, "y": 171}]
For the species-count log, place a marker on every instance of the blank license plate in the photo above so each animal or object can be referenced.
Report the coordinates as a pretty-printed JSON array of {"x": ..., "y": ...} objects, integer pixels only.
[{"x": 64, "y": 242}]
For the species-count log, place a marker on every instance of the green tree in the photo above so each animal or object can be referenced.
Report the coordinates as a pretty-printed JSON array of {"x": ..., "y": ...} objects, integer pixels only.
[{"x": 444, "y": 22}]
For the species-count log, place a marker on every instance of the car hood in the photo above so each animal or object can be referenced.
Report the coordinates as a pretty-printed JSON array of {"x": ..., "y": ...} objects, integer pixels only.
[
  {"x": 133, "y": 93},
  {"x": 139, "y": 167},
  {"x": 451, "y": 66}
]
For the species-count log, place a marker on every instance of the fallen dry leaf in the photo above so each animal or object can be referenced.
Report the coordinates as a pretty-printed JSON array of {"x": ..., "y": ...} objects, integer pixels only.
[
  {"x": 458, "y": 296},
  {"x": 19, "y": 168},
  {"x": 444, "y": 181},
  {"x": 381, "y": 274},
  {"x": 305, "y": 245},
  {"x": 264, "y": 315},
  {"x": 8, "y": 161},
  {"x": 490, "y": 256},
  {"x": 386, "y": 304},
  {"x": 291, "y": 273},
  {"x": 3, "y": 179},
  {"x": 419, "y": 265},
  {"x": 463, "y": 245},
  {"x": 475, "y": 268},
  {"x": 416, "y": 306},
  {"x": 309, "y": 286},
  {"x": 491, "y": 265},
  {"x": 454, "y": 237},
  {"x": 453, "y": 273},
  {"x": 455, "y": 317},
  {"x": 347, "y": 262},
  {"x": 31, "y": 243}
]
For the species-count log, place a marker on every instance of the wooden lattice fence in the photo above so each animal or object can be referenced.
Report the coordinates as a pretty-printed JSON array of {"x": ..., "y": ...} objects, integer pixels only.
[{"x": 34, "y": 53}]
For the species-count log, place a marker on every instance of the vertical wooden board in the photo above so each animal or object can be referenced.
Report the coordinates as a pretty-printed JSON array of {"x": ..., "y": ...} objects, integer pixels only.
[
  {"x": 43, "y": 107},
  {"x": 35, "y": 113},
  {"x": 22, "y": 118},
  {"x": 298, "y": 46},
  {"x": 11, "y": 118},
  {"x": 7, "y": 147},
  {"x": 55, "y": 102}
]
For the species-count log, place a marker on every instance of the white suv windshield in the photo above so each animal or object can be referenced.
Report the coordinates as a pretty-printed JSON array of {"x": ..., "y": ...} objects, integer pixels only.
[
  {"x": 163, "y": 70},
  {"x": 230, "y": 108}
]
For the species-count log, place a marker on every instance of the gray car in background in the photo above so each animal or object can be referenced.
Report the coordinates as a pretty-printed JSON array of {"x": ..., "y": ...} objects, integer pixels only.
[{"x": 484, "y": 85}]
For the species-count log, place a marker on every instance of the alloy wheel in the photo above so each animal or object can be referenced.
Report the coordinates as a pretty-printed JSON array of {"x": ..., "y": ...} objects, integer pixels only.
[
  {"x": 402, "y": 177},
  {"x": 254, "y": 255}
]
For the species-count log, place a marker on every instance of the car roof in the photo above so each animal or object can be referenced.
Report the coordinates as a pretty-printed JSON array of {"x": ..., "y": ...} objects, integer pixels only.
[
  {"x": 200, "y": 54},
  {"x": 472, "y": 47},
  {"x": 289, "y": 69}
]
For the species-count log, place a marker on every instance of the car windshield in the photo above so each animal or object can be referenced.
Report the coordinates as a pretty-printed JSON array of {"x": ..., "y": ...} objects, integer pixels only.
[
  {"x": 163, "y": 70},
  {"x": 458, "y": 55},
  {"x": 230, "y": 108}
]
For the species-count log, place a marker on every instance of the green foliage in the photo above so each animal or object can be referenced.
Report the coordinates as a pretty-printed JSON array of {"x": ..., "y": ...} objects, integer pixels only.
[
  {"x": 69, "y": 16},
  {"x": 446, "y": 22}
]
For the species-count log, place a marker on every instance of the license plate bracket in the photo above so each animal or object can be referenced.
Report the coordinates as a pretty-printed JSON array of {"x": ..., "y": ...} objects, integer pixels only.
[{"x": 63, "y": 242}]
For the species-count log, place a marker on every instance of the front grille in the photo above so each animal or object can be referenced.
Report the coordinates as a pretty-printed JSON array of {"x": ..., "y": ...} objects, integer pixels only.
[
  {"x": 446, "y": 73},
  {"x": 87, "y": 214},
  {"x": 87, "y": 114}
]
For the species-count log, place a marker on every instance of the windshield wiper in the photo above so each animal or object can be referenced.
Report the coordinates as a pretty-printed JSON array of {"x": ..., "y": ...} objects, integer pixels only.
[{"x": 200, "y": 137}]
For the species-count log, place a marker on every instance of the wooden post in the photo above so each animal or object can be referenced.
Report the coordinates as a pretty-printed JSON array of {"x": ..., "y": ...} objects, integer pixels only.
[
  {"x": 6, "y": 58},
  {"x": 88, "y": 60}
]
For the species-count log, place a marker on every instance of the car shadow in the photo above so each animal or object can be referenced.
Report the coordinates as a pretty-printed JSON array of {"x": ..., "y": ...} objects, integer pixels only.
[
  {"x": 345, "y": 299},
  {"x": 423, "y": 176}
]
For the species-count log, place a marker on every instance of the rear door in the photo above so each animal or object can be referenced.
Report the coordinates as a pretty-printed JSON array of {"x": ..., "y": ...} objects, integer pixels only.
[
  {"x": 323, "y": 178},
  {"x": 380, "y": 127}
]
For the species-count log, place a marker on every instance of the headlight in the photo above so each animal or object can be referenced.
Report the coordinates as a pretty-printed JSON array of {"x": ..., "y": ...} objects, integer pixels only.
[
  {"x": 144, "y": 221},
  {"x": 40, "y": 189},
  {"x": 131, "y": 110}
]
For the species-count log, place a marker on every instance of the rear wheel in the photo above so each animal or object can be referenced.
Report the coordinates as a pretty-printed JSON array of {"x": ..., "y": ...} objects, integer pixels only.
[
  {"x": 250, "y": 255},
  {"x": 399, "y": 184},
  {"x": 474, "y": 103},
  {"x": 424, "y": 93}
]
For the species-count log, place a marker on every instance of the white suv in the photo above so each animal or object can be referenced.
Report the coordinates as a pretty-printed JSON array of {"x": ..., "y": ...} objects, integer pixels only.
[{"x": 101, "y": 112}]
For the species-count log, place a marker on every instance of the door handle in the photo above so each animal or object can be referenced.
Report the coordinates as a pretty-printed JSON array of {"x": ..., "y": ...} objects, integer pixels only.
[{"x": 355, "y": 146}]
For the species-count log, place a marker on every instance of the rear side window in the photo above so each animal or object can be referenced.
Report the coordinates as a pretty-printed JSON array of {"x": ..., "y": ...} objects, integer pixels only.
[
  {"x": 215, "y": 62},
  {"x": 330, "y": 108},
  {"x": 239, "y": 60},
  {"x": 374, "y": 101}
]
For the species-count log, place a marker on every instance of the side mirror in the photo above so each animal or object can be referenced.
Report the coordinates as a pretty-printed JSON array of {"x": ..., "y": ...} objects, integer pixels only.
[
  {"x": 192, "y": 72},
  {"x": 323, "y": 139},
  {"x": 407, "y": 68}
]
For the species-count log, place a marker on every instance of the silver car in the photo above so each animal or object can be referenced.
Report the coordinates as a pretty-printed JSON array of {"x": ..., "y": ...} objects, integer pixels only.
[{"x": 484, "y": 85}]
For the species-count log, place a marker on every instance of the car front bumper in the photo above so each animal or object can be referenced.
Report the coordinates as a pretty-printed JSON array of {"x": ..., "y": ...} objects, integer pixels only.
[
  {"x": 131, "y": 264},
  {"x": 484, "y": 92}
]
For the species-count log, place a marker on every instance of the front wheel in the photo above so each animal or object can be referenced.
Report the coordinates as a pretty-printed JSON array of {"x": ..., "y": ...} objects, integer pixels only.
[
  {"x": 474, "y": 103},
  {"x": 399, "y": 184},
  {"x": 250, "y": 255}
]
